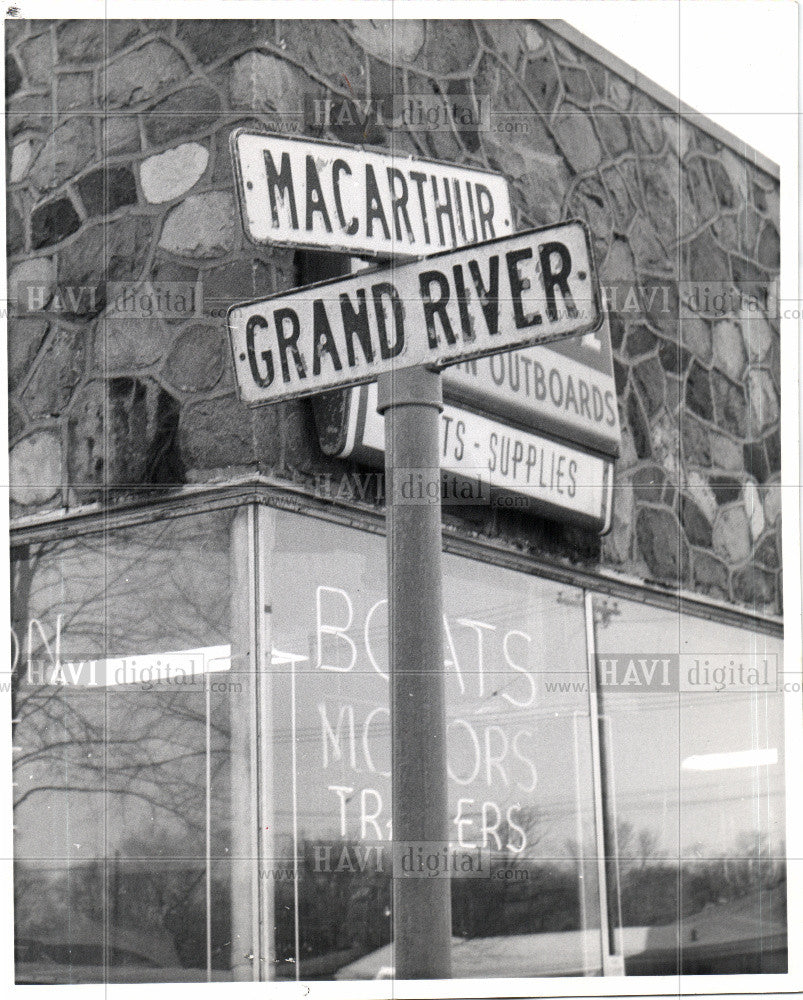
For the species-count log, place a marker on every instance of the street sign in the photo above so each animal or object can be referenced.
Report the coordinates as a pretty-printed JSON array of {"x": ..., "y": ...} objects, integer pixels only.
[
  {"x": 321, "y": 195},
  {"x": 552, "y": 477},
  {"x": 506, "y": 293},
  {"x": 565, "y": 388}
]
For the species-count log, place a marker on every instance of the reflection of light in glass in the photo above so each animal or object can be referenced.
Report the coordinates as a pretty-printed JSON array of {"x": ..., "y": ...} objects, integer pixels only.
[
  {"x": 730, "y": 761},
  {"x": 279, "y": 658}
]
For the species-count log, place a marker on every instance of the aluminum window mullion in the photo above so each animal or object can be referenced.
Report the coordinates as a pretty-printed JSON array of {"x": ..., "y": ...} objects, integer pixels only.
[
  {"x": 208, "y": 821},
  {"x": 264, "y": 526},
  {"x": 245, "y": 949},
  {"x": 612, "y": 959}
]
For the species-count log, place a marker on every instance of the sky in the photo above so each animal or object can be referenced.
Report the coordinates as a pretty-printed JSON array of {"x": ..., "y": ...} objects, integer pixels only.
[{"x": 732, "y": 60}]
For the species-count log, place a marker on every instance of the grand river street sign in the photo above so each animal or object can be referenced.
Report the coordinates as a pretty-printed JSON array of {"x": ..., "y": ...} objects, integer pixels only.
[
  {"x": 528, "y": 288},
  {"x": 303, "y": 193}
]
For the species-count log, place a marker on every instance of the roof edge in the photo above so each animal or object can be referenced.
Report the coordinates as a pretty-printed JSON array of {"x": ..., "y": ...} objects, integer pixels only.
[{"x": 665, "y": 97}]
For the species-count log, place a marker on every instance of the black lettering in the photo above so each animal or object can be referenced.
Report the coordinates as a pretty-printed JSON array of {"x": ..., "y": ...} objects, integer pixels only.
[
  {"x": 458, "y": 200},
  {"x": 539, "y": 381},
  {"x": 532, "y": 457},
  {"x": 517, "y": 286},
  {"x": 572, "y": 477},
  {"x": 316, "y": 204},
  {"x": 596, "y": 398},
  {"x": 260, "y": 379},
  {"x": 356, "y": 324},
  {"x": 609, "y": 406},
  {"x": 288, "y": 342},
  {"x": 526, "y": 362},
  {"x": 340, "y": 166},
  {"x": 282, "y": 183},
  {"x": 445, "y": 421},
  {"x": 398, "y": 204},
  {"x": 486, "y": 211},
  {"x": 513, "y": 365},
  {"x": 461, "y": 430},
  {"x": 559, "y": 473},
  {"x": 472, "y": 214},
  {"x": 373, "y": 204},
  {"x": 489, "y": 297},
  {"x": 322, "y": 339},
  {"x": 386, "y": 349},
  {"x": 541, "y": 471},
  {"x": 584, "y": 408},
  {"x": 466, "y": 320},
  {"x": 554, "y": 375},
  {"x": 420, "y": 180},
  {"x": 571, "y": 396},
  {"x": 436, "y": 307},
  {"x": 504, "y": 456},
  {"x": 518, "y": 455},
  {"x": 443, "y": 209},
  {"x": 556, "y": 279}
]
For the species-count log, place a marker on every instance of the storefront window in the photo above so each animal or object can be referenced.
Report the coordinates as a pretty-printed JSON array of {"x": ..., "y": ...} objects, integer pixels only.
[
  {"x": 693, "y": 726},
  {"x": 202, "y": 765},
  {"x": 521, "y": 789},
  {"x": 123, "y": 695}
]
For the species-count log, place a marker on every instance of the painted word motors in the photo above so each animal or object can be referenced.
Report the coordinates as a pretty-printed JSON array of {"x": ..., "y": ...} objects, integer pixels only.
[
  {"x": 319, "y": 194},
  {"x": 524, "y": 289}
]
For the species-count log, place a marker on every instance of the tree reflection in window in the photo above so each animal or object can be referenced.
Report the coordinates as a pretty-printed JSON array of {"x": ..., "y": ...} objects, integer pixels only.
[{"x": 114, "y": 852}]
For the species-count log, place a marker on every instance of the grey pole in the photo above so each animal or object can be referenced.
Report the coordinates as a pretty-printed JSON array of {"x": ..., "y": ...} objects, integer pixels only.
[{"x": 422, "y": 912}]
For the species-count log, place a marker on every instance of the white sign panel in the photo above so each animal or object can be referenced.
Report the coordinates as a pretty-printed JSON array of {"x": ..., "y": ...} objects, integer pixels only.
[
  {"x": 551, "y": 475},
  {"x": 565, "y": 388},
  {"x": 305, "y": 193},
  {"x": 517, "y": 290}
]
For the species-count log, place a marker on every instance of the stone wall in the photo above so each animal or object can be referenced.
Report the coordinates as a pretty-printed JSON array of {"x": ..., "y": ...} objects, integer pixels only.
[{"x": 119, "y": 170}]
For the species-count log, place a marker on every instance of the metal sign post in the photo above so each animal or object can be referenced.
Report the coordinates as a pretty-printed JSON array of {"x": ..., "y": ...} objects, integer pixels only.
[{"x": 422, "y": 907}]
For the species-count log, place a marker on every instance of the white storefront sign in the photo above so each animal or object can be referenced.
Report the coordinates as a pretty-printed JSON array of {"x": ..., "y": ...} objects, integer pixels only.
[{"x": 482, "y": 458}]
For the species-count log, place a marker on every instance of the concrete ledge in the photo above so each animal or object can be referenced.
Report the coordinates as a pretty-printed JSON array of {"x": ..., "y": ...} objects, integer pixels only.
[{"x": 254, "y": 487}]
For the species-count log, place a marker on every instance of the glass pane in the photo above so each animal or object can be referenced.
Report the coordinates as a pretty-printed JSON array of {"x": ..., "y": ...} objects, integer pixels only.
[
  {"x": 694, "y": 732},
  {"x": 519, "y": 764},
  {"x": 123, "y": 712}
]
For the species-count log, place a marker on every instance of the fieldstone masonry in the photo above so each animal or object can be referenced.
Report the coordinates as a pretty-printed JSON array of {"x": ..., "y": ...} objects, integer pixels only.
[{"x": 119, "y": 171}]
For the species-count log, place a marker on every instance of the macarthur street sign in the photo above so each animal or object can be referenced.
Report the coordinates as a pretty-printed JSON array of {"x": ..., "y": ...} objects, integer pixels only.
[
  {"x": 318, "y": 194},
  {"x": 529, "y": 288}
]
